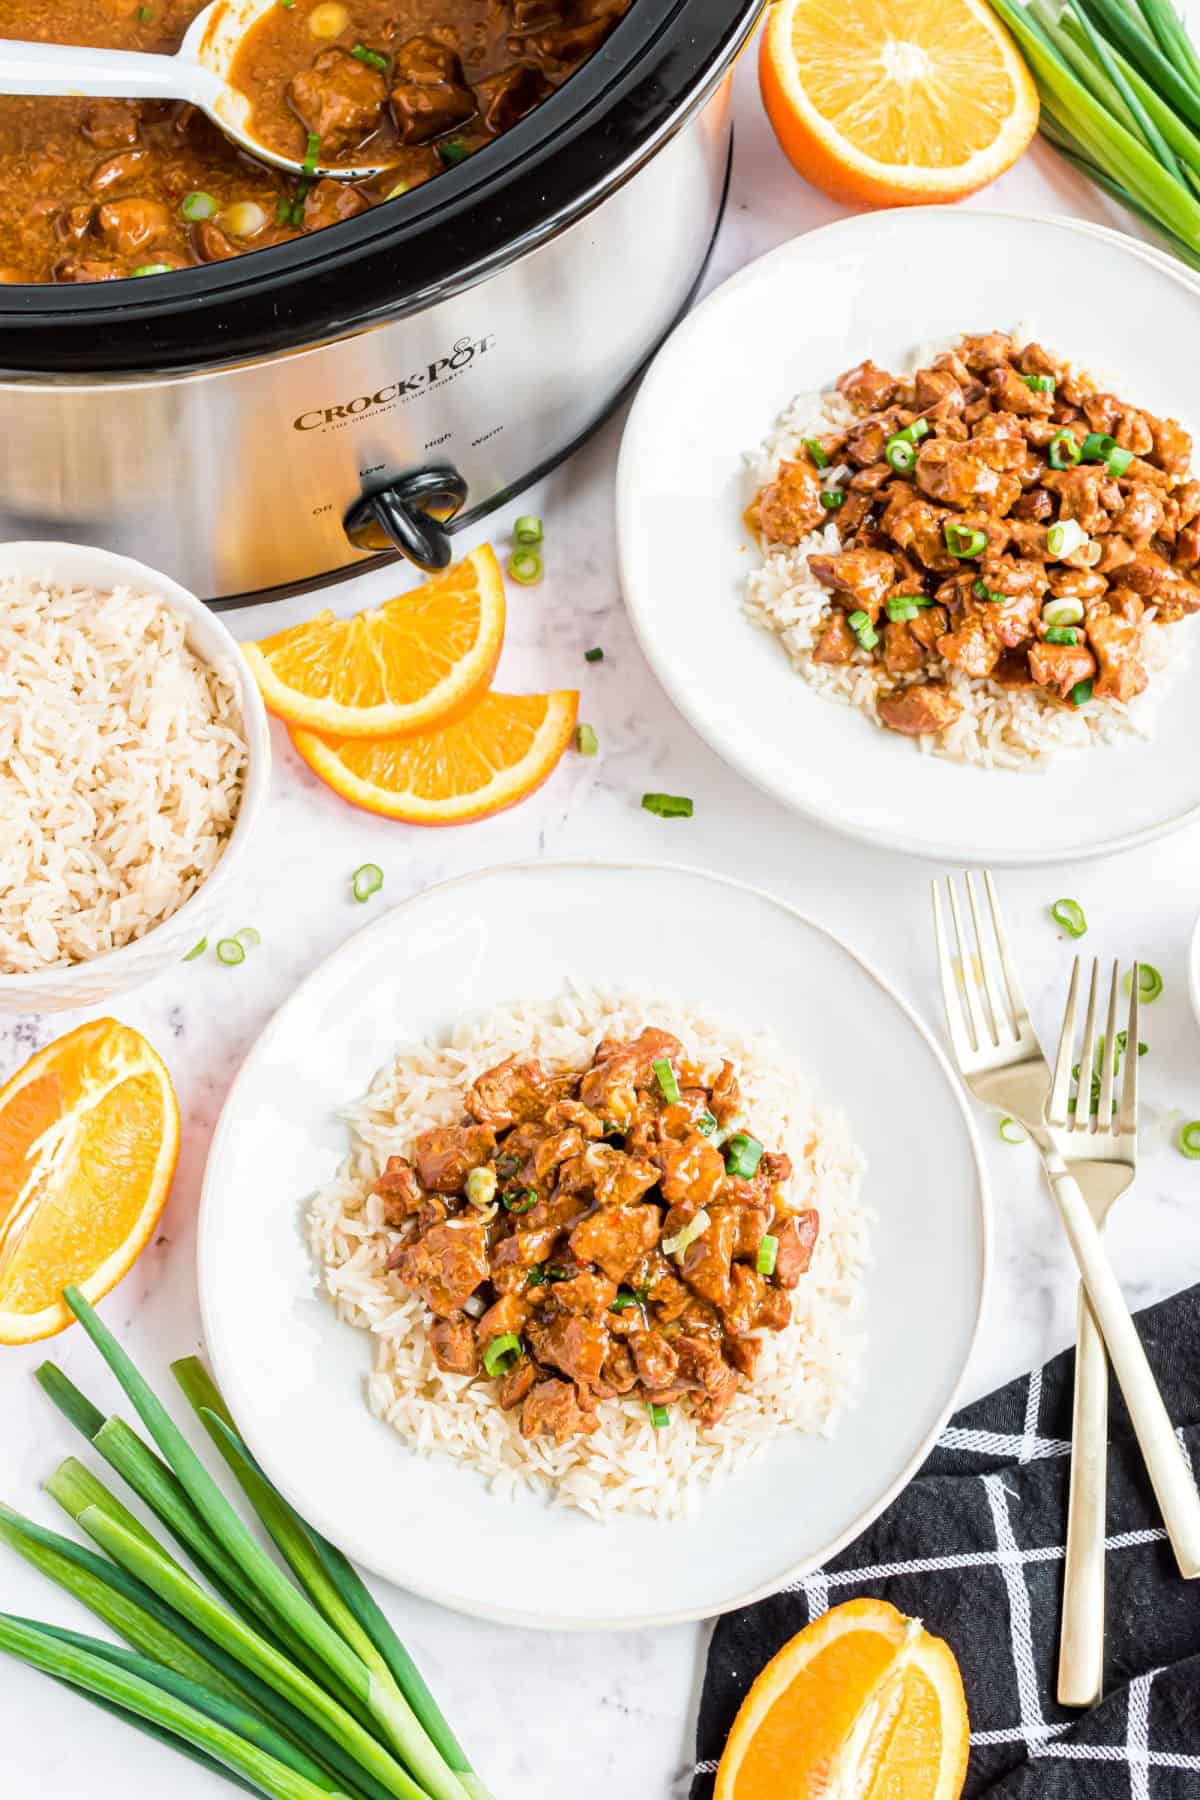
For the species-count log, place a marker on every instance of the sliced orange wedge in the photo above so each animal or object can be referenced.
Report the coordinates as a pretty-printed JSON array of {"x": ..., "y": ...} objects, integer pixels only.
[
  {"x": 89, "y": 1135},
  {"x": 414, "y": 662},
  {"x": 895, "y": 102},
  {"x": 863, "y": 1704},
  {"x": 500, "y": 752}
]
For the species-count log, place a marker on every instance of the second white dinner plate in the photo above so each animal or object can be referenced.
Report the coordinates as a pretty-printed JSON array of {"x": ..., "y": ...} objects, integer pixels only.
[
  {"x": 294, "y": 1375},
  {"x": 879, "y": 285}
]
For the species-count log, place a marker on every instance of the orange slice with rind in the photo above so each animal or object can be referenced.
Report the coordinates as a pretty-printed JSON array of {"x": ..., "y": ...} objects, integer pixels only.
[
  {"x": 496, "y": 755},
  {"x": 863, "y": 1704},
  {"x": 417, "y": 661},
  {"x": 89, "y": 1136}
]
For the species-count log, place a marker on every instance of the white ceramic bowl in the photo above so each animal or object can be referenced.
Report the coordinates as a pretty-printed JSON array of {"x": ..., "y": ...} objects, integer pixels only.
[{"x": 92, "y": 983}]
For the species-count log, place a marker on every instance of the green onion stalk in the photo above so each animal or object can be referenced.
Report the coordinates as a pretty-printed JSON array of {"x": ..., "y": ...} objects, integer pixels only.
[
  {"x": 292, "y": 1685},
  {"x": 1119, "y": 82}
]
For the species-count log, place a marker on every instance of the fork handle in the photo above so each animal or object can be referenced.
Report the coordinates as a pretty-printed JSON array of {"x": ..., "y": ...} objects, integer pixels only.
[
  {"x": 1081, "y": 1644},
  {"x": 1170, "y": 1477}
]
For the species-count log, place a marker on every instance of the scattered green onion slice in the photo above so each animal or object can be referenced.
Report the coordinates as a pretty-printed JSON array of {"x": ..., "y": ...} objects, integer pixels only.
[
  {"x": 596, "y": 655},
  {"x": 586, "y": 741},
  {"x": 982, "y": 591},
  {"x": 312, "y": 150},
  {"x": 197, "y": 950},
  {"x": 525, "y": 566},
  {"x": 626, "y": 1298},
  {"x": 768, "y": 1250},
  {"x": 900, "y": 454},
  {"x": 832, "y": 498},
  {"x": 1070, "y": 915},
  {"x": 1118, "y": 460},
  {"x": 660, "y": 1416},
  {"x": 664, "y": 1074},
  {"x": 744, "y": 1156},
  {"x": 706, "y": 1124},
  {"x": 727, "y": 1131},
  {"x": 1067, "y": 611},
  {"x": 198, "y": 205},
  {"x": 1066, "y": 536},
  {"x": 1150, "y": 984},
  {"x": 502, "y": 1354},
  {"x": 366, "y": 880},
  {"x": 230, "y": 952},
  {"x": 668, "y": 806},
  {"x": 901, "y": 608},
  {"x": 1062, "y": 450},
  {"x": 1039, "y": 384},
  {"x": 528, "y": 529},
  {"x": 248, "y": 937},
  {"x": 1096, "y": 446},
  {"x": 963, "y": 540},
  {"x": 863, "y": 629},
  {"x": 373, "y": 58},
  {"x": 1061, "y": 634},
  {"x": 1123, "y": 1039},
  {"x": 687, "y": 1234},
  {"x": 453, "y": 151},
  {"x": 536, "y": 1276},
  {"x": 817, "y": 451},
  {"x": 1081, "y": 693},
  {"x": 153, "y": 269},
  {"x": 481, "y": 1186},
  {"x": 519, "y": 1200},
  {"x": 507, "y": 1166},
  {"x": 1011, "y": 1132},
  {"x": 1189, "y": 1139},
  {"x": 912, "y": 434}
]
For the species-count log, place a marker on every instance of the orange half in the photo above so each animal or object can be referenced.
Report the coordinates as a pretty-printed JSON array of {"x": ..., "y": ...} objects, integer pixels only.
[
  {"x": 412, "y": 663},
  {"x": 502, "y": 750},
  {"x": 880, "y": 104},
  {"x": 864, "y": 1704},
  {"x": 89, "y": 1136}
]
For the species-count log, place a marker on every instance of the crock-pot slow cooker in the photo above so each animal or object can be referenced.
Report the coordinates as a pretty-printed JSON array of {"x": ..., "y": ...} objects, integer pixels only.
[{"x": 274, "y": 421}]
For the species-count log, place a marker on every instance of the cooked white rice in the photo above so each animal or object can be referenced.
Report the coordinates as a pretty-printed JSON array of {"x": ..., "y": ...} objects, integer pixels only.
[
  {"x": 999, "y": 727},
  {"x": 121, "y": 767},
  {"x": 806, "y": 1373}
]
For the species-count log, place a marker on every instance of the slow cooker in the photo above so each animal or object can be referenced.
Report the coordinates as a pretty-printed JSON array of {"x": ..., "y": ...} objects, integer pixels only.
[{"x": 278, "y": 420}]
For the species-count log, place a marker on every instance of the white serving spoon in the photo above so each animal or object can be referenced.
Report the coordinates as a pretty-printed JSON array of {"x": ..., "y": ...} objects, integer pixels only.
[{"x": 198, "y": 72}]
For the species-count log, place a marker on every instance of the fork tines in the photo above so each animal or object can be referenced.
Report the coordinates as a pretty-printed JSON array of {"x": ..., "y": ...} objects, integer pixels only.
[
  {"x": 984, "y": 1007},
  {"x": 1058, "y": 1109}
]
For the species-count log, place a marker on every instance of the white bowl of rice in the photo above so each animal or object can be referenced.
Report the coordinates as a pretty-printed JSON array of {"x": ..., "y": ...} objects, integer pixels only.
[{"x": 134, "y": 760}]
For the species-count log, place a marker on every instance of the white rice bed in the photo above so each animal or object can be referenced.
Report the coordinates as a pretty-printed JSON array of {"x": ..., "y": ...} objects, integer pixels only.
[
  {"x": 806, "y": 1374},
  {"x": 122, "y": 760},
  {"x": 999, "y": 728}
]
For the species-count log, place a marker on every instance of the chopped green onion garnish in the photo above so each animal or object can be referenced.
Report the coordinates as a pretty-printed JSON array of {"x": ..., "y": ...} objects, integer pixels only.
[
  {"x": 743, "y": 1156},
  {"x": 1066, "y": 536},
  {"x": 507, "y": 1166},
  {"x": 1081, "y": 693},
  {"x": 502, "y": 1354},
  {"x": 525, "y": 566},
  {"x": 197, "y": 950},
  {"x": 625, "y": 1299},
  {"x": 153, "y": 269},
  {"x": 1011, "y": 1132},
  {"x": 982, "y": 591},
  {"x": 453, "y": 151},
  {"x": 1150, "y": 983},
  {"x": 1062, "y": 612},
  {"x": 706, "y": 1124},
  {"x": 312, "y": 150},
  {"x": 1118, "y": 460},
  {"x": 586, "y": 741},
  {"x": 1069, "y": 914},
  {"x": 481, "y": 1187},
  {"x": 912, "y": 434},
  {"x": 1123, "y": 1036},
  {"x": 668, "y": 806},
  {"x": 817, "y": 451},
  {"x": 527, "y": 530},
  {"x": 660, "y": 1416},
  {"x": 198, "y": 205},
  {"x": 1040, "y": 384},
  {"x": 963, "y": 541},
  {"x": 863, "y": 629},
  {"x": 1063, "y": 451},
  {"x": 768, "y": 1250},
  {"x": 665, "y": 1076},
  {"x": 900, "y": 454},
  {"x": 372, "y": 58},
  {"x": 1189, "y": 1139},
  {"x": 1061, "y": 634},
  {"x": 596, "y": 655},
  {"x": 1096, "y": 446},
  {"x": 519, "y": 1200},
  {"x": 727, "y": 1131},
  {"x": 902, "y": 608},
  {"x": 536, "y": 1276},
  {"x": 248, "y": 937},
  {"x": 832, "y": 498},
  {"x": 230, "y": 951},
  {"x": 366, "y": 880}
]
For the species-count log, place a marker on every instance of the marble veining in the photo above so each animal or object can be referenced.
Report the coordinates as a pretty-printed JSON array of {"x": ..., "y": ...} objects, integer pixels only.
[{"x": 546, "y": 1716}]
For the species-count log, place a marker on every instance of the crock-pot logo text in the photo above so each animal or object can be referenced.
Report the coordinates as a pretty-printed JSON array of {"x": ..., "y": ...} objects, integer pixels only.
[{"x": 463, "y": 355}]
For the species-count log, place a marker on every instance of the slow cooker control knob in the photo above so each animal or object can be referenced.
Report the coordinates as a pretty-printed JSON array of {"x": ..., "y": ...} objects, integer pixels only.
[{"x": 410, "y": 515}]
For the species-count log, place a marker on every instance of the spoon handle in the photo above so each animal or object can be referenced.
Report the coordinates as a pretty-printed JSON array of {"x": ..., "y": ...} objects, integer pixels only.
[{"x": 78, "y": 69}]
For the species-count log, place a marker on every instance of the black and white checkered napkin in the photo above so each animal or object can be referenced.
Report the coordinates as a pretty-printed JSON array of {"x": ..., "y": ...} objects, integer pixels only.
[{"x": 974, "y": 1547}]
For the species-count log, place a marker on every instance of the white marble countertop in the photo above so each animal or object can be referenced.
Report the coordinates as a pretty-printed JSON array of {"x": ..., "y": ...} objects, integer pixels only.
[{"x": 566, "y": 1714}]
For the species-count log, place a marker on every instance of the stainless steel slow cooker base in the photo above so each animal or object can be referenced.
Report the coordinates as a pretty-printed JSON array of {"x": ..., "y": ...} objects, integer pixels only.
[{"x": 238, "y": 480}]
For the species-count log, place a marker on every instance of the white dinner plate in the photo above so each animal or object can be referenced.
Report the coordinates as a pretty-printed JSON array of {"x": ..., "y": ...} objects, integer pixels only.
[
  {"x": 294, "y": 1375},
  {"x": 878, "y": 285}
]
